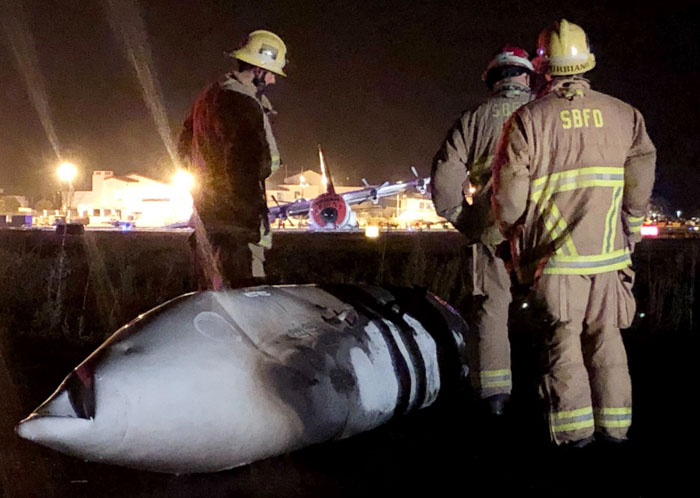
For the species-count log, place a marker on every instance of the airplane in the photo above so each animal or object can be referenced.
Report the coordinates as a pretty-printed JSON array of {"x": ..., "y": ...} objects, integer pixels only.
[{"x": 332, "y": 211}]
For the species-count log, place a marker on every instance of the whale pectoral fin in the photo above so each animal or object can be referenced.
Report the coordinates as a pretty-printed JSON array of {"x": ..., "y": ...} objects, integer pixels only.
[{"x": 81, "y": 392}]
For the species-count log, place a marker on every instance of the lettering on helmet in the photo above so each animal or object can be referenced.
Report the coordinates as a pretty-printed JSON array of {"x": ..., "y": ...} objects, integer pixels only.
[
  {"x": 571, "y": 69},
  {"x": 581, "y": 118}
]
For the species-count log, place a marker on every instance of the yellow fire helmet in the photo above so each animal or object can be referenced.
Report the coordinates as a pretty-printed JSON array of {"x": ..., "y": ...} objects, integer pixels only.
[
  {"x": 263, "y": 49},
  {"x": 563, "y": 49}
]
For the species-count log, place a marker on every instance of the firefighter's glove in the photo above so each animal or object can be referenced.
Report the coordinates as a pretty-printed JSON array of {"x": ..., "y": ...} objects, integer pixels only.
[
  {"x": 633, "y": 239},
  {"x": 471, "y": 220},
  {"x": 452, "y": 215},
  {"x": 492, "y": 237}
]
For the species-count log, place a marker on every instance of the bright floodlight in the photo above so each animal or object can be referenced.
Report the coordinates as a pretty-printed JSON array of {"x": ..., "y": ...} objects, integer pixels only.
[
  {"x": 183, "y": 180},
  {"x": 372, "y": 231},
  {"x": 67, "y": 172}
]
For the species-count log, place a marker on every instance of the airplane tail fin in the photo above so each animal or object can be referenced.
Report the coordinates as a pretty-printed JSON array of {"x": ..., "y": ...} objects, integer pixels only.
[{"x": 325, "y": 172}]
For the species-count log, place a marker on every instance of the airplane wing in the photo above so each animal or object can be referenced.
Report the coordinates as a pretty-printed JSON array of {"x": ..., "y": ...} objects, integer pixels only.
[
  {"x": 299, "y": 207},
  {"x": 385, "y": 190}
]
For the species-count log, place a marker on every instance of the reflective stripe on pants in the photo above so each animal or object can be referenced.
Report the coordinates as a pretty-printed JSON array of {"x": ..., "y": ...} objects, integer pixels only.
[
  {"x": 495, "y": 379},
  {"x": 572, "y": 420},
  {"x": 609, "y": 419}
]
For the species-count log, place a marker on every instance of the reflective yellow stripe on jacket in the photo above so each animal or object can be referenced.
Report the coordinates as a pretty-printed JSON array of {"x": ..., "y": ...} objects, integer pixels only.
[
  {"x": 634, "y": 224},
  {"x": 566, "y": 260},
  {"x": 611, "y": 220},
  {"x": 586, "y": 265},
  {"x": 597, "y": 176},
  {"x": 275, "y": 162}
]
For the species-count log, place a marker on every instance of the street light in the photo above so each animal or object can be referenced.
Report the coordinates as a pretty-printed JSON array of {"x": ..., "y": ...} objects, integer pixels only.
[
  {"x": 183, "y": 183},
  {"x": 66, "y": 173},
  {"x": 183, "y": 180}
]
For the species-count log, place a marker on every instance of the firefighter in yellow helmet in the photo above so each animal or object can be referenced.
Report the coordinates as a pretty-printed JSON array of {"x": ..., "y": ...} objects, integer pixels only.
[
  {"x": 573, "y": 175},
  {"x": 461, "y": 189},
  {"x": 227, "y": 140}
]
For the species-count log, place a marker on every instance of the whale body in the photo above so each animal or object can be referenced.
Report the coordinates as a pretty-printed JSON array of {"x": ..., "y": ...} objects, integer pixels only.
[{"x": 213, "y": 380}]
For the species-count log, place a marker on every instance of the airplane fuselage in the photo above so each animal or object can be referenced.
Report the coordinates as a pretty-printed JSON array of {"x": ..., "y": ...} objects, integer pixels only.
[{"x": 331, "y": 211}]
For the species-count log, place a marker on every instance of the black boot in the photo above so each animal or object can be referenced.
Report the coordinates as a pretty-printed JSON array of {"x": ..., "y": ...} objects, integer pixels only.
[{"x": 495, "y": 405}]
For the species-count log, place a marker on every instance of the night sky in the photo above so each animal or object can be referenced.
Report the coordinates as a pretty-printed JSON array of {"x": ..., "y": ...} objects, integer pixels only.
[{"x": 376, "y": 83}]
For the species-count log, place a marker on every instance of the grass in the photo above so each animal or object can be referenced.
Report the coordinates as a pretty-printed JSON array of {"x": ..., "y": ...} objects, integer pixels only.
[{"x": 79, "y": 290}]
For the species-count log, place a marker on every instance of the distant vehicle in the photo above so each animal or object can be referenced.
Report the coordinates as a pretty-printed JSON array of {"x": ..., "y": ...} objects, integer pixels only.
[
  {"x": 124, "y": 225},
  {"x": 650, "y": 231},
  {"x": 59, "y": 219},
  {"x": 332, "y": 211}
]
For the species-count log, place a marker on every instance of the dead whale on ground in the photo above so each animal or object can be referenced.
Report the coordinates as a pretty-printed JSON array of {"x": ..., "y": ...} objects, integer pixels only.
[{"x": 214, "y": 380}]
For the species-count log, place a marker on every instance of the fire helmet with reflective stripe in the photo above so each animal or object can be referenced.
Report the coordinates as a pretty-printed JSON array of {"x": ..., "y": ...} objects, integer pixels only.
[
  {"x": 509, "y": 56},
  {"x": 263, "y": 49},
  {"x": 563, "y": 49}
]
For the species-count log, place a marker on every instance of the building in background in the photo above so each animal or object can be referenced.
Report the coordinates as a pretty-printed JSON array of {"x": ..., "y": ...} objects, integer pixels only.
[
  {"x": 417, "y": 211},
  {"x": 11, "y": 203},
  {"x": 133, "y": 198}
]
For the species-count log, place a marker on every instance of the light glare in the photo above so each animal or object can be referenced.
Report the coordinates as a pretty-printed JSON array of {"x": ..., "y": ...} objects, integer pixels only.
[
  {"x": 372, "y": 231},
  {"x": 67, "y": 172},
  {"x": 183, "y": 180}
]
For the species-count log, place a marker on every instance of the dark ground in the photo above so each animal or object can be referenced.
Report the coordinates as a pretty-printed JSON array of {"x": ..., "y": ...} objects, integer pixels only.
[{"x": 54, "y": 311}]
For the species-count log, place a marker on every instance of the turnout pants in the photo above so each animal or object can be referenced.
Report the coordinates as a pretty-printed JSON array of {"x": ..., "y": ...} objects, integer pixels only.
[
  {"x": 586, "y": 382},
  {"x": 489, "y": 349}
]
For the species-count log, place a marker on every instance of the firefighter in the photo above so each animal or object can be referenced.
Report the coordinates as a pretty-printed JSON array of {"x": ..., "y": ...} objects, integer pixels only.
[
  {"x": 573, "y": 175},
  {"x": 228, "y": 142},
  {"x": 461, "y": 188}
]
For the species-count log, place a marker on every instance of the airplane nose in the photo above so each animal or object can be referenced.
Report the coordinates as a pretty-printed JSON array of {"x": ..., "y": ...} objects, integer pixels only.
[{"x": 329, "y": 214}]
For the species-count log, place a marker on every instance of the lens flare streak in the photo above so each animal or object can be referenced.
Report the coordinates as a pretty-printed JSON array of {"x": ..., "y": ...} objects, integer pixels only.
[
  {"x": 21, "y": 43},
  {"x": 127, "y": 24}
]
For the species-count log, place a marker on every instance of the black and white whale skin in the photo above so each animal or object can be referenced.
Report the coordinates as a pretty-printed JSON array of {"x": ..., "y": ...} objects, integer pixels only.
[{"x": 214, "y": 380}]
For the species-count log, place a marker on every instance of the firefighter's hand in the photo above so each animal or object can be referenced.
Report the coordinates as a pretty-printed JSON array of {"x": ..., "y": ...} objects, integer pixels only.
[
  {"x": 633, "y": 240},
  {"x": 452, "y": 215},
  {"x": 491, "y": 237}
]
